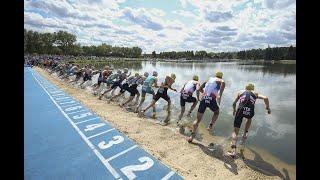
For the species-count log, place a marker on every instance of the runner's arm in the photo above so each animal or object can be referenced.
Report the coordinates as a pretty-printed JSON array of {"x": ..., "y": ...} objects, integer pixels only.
[
  {"x": 172, "y": 88},
  {"x": 95, "y": 72},
  {"x": 234, "y": 105},
  {"x": 266, "y": 102},
  {"x": 155, "y": 83},
  {"x": 202, "y": 86},
  {"x": 197, "y": 91},
  {"x": 183, "y": 87},
  {"x": 221, "y": 89}
]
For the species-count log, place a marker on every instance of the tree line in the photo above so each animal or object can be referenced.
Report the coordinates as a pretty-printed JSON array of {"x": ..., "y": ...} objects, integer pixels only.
[
  {"x": 64, "y": 43},
  {"x": 274, "y": 53}
]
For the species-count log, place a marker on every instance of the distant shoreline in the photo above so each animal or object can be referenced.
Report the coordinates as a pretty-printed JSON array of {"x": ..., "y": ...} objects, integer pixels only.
[{"x": 182, "y": 60}]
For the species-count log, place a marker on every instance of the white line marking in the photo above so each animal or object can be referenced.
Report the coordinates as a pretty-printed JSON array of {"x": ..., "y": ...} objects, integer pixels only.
[
  {"x": 58, "y": 95},
  {"x": 100, "y": 133},
  {"x": 123, "y": 152},
  {"x": 62, "y": 98},
  {"x": 54, "y": 92},
  {"x": 86, "y": 120},
  {"x": 77, "y": 111},
  {"x": 98, "y": 154},
  {"x": 69, "y": 105},
  {"x": 166, "y": 177},
  {"x": 68, "y": 102}
]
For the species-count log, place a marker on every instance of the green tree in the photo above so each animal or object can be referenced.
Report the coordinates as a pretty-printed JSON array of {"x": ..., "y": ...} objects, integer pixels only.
[
  {"x": 154, "y": 54},
  {"x": 64, "y": 40}
]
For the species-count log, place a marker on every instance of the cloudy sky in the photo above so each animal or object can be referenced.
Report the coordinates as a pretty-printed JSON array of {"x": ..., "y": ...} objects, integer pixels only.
[{"x": 167, "y": 25}]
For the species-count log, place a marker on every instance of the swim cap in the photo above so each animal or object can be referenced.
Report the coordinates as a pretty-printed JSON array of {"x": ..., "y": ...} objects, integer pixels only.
[
  {"x": 119, "y": 72},
  {"x": 136, "y": 74},
  {"x": 106, "y": 67},
  {"x": 250, "y": 87},
  {"x": 219, "y": 74},
  {"x": 195, "y": 77},
  {"x": 125, "y": 70},
  {"x": 173, "y": 76},
  {"x": 155, "y": 73},
  {"x": 146, "y": 74}
]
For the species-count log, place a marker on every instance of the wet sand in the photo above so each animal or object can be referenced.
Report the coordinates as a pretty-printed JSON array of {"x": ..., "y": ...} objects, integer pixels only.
[{"x": 190, "y": 160}]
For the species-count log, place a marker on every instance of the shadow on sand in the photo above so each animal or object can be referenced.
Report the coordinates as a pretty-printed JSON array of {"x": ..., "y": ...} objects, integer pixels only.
[
  {"x": 259, "y": 165},
  {"x": 217, "y": 152}
]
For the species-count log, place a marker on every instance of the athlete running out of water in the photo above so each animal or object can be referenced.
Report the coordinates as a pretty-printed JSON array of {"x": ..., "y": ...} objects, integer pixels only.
[
  {"x": 163, "y": 93},
  {"x": 150, "y": 81},
  {"x": 117, "y": 82},
  {"x": 247, "y": 99},
  {"x": 212, "y": 91},
  {"x": 186, "y": 95}
]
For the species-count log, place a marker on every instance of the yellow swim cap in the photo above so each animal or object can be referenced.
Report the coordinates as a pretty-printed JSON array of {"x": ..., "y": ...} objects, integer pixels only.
[
  {"x": 250, "y": 87},
  {"x": 219, "y": 74},
  {"x": 173, "y": 76},
  {"x": 195, "y": 77}
]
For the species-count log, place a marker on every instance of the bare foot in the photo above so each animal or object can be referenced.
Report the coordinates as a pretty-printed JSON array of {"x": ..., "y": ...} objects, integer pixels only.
[
  {"x": 141, "y": 113},
  {"x": 190, "y": 138},
  {"x": 210, "y": 127},
  {"x": 231, "y": 154},
  {"x": 153, "y": 115}
]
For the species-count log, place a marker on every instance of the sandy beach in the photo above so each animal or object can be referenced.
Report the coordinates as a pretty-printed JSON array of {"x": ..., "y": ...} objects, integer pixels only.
[{"x": 190, "y": 160}]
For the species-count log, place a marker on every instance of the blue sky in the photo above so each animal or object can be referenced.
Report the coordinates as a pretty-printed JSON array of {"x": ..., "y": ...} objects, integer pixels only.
[{"x": 169, "y": 25}]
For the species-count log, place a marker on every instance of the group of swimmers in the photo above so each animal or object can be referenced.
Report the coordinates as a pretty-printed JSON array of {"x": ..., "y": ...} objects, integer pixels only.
[{"x": 208, "y": 94}]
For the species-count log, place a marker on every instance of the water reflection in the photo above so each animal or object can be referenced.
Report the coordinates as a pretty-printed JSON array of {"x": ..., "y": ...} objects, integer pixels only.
[{"x": 268, "y": 68}]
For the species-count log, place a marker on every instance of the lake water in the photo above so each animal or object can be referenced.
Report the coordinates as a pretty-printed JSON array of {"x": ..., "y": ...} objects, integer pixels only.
[{"x": 275, "y": 133}]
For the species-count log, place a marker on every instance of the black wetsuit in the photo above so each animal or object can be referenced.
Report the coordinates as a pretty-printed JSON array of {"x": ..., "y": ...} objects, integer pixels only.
[
  {"x": 246, "y": 107},
  {"x": 162, "y": 93},
  {"x": 87, "y": 76},
  {"x": 118, "y": 81}
]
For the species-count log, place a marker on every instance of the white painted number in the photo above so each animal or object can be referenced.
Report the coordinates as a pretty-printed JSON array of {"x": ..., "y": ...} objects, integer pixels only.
[
  {"x": 128, "y": 170},
  {"x": 93, "y": 126},
  {"x": 115, "y": 140},
  {"x": 73, "y": 108},
  {"x": 82, "y": 115},
  {"x": 63, "y": 98},
  {"x": 68, "y": 102}
]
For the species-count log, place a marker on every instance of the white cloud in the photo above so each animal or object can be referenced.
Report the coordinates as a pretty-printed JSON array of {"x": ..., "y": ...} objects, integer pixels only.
[
  {"x": 37, "y": 20},
  {"x": 183, "y": 3},
  {"x": 218, "y": 25},
  {"x": 143, "y": 18},
  {"x": 184, "y": 13},
  {"x": 215, "y": 16},
  {"x": 276, "y": 4}
]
